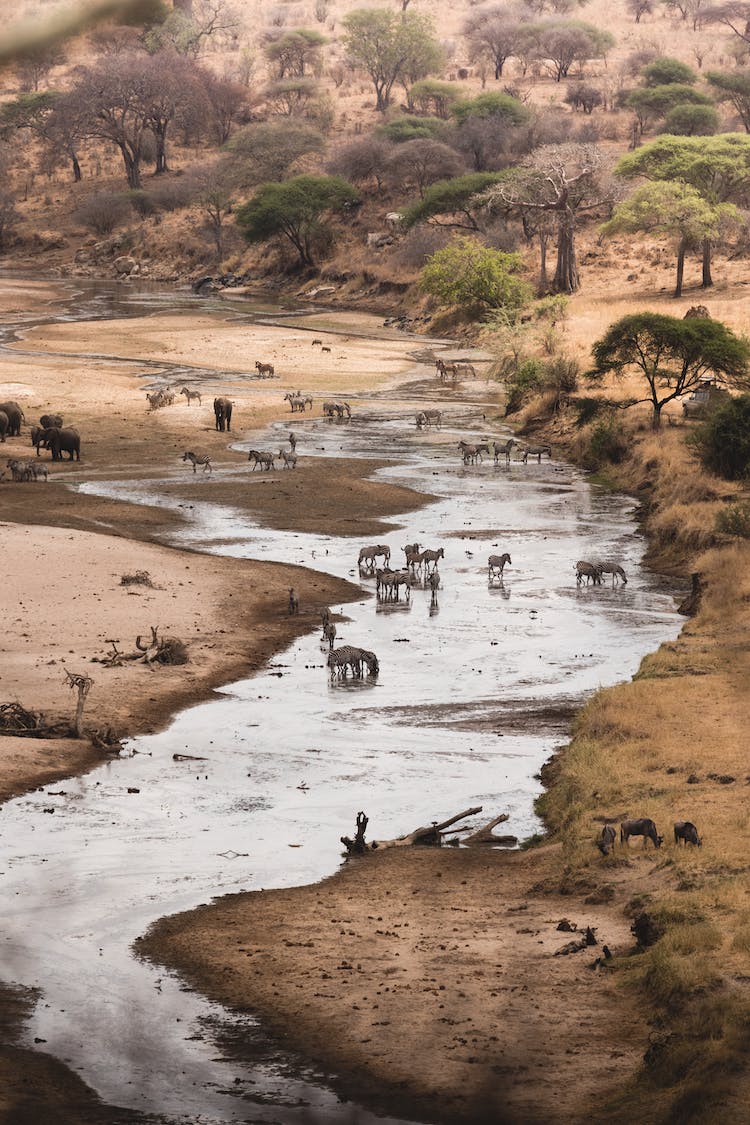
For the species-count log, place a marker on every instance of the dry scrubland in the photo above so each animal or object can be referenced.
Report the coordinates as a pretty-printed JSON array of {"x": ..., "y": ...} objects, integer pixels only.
[{"x": 649, "y": 747}]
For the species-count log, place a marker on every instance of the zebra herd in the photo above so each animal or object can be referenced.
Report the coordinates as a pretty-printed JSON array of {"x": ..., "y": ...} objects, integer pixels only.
[
  {"x": 471, "y": 452},
  {"x": 594, "y": 572}
]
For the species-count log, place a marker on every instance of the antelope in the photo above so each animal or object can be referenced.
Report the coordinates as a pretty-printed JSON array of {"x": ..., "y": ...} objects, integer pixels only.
[
  {"x": 644, "y": 827},
  {"x": 606, "y": 841}
]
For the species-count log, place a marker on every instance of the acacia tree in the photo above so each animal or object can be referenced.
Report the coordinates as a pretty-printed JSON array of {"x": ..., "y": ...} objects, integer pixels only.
[
  {"x": 390, "y": 47},
  {"x": 717, "y": 167},
  {"x": 671, "y": 355},
  {"x": 493, "y": 34},
  {"x": 675, "y": 209},
  {"x": 565, "y": 181},
  {"x": 423, "y": 162},
  {"x": 268, "y": 150},
  {"x": 476, "y": 278},
  {"x": 561, "y": 43},
  {"x": 457, "y": 200},
  {"x": 294, "y": 209},
  {"x": 733, "y": 87},
  {"x": 293, "y": 52},
  {"x": 118, "y": 108}
]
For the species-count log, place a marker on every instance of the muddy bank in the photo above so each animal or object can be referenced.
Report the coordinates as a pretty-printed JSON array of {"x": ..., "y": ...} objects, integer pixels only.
[{"x": 455, "y": 950}]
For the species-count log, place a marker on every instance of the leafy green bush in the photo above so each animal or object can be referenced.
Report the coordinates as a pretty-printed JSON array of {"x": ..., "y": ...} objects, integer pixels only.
[
  {"x": 608, "y": 443},
  {"x": 527, "y": 381},
  {"x": 723, "y": 441},
  {"x": 692, "y": 121},
  {"x": 735, "y": 520},
  {"x": 475, "y": 277},
  {"x": 411, "y": 129}
]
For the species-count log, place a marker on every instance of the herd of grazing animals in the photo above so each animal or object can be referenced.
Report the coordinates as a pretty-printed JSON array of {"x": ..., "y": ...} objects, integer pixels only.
[
  {"x": 49, "y": 434},
  {"x": 684, "y": 830}
]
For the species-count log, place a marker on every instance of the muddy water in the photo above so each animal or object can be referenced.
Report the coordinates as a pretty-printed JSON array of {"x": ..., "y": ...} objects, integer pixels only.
[{"x": 473, "y": 694}]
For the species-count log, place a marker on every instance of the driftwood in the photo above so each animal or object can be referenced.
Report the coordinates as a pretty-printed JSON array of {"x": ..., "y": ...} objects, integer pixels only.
[
  {"x": 83, "y": 684},
  {"x": 430, "y": 836},
  {"x": 16, "y": 720},
  {"x": 358, "y": 845},
  {"x": 486, "y": 836},
  {"x": 159, "y": 650}
]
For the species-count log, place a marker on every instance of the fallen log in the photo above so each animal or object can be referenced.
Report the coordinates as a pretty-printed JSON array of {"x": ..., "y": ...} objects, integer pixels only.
[
  {"x": 429, "y": 836},
  {"x": 485, "y": 835}
]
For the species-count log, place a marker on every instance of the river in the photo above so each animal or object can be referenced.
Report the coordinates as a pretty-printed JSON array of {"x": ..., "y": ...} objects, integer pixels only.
[{"x": 473, "y": 695}]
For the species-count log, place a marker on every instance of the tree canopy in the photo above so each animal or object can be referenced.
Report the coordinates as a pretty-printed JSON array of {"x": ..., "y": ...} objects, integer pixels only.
[
  {"x": 294, "y": 209},
  {"x": 672, "y": 208},
  {"x": 458, "y": 197},
  {"x": 475, "y": 277},
  {"x": 672, "y": 355},
  {"x": 717, "y": 167},
  {"x": 665, "y": 70},
  {"x": 733, "y": 87},
  {"x": 391, "y": 47}
]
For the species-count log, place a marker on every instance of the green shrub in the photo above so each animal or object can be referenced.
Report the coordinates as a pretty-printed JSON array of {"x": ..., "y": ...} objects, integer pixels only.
[
  {"x": 735, "y": 520},
  {"x": 527, "y": 381},
  {"x": 723, "y": 441},
  {"x": 475, "y": 278},
  {"x": 692, "y": 121},
  {"x": 403, "y": 129},
  {"x": 608, "y": 443}
]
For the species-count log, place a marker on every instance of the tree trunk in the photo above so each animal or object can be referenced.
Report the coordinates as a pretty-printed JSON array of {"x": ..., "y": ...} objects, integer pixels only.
[
  {"x": 132, "y": 168},
  {"x": 707, "y": 279},
  {"x": 656, "y": 417},
  {"x": 543, "y": 278},
  {"x": 77, "y": 175},
  {"x": 680, "y": 269},
  {"x": 160, "y": 164},
  {"x": 566, "y": 271}
]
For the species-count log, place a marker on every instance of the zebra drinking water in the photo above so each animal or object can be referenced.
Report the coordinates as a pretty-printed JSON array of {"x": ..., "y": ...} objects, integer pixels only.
[
  {"x": 589, "y": 571},
  {"x": 349, "y": 656},
  {"x": 198, "y": 459},
  {"x": 612, "y": 568}
]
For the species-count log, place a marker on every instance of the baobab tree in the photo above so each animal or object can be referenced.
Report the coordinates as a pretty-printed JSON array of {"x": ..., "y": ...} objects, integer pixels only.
[{"x": 564, "y": 181}]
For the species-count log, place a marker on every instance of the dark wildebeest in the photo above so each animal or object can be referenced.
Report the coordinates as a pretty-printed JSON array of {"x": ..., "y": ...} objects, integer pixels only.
[
  {"x": 687, "y": 832},
  {"x": 644, "y": 827},
  {"x": 606, "y": 841}
]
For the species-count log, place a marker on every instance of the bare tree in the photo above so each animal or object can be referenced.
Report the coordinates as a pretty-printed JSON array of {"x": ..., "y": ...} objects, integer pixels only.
[
  {"x": 493, "y": 33},
  {"x": 362, "y": 161},
  {"x": 566, "y": 181},
  {"x": 34, "y": 66},
  {"x": 226, "y": 101},
  {"x": 423, "y": 162}
]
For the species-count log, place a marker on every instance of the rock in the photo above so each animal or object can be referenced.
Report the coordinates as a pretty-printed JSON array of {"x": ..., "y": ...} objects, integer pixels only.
[
  {"x": 319, "y": 290},
  {"x": 125, "y": 266},
  {"x": 48, "y": 240},
  {"x": 205, "y": 285},
  {"x": 698, "y": 311}
]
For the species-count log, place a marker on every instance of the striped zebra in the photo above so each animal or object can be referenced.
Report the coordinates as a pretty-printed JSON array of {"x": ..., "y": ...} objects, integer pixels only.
[
  {"x": 430, "y": 556},
  {"x": 349, "y": 656},
  {"x": 503, "y": 447},
  {"x": 429, "y": 418},
  {"x": 367, "y": 555},
  {"x": 466, "y": 369},
  {"x": 612, "y": 568},
  {"x": 265, "y": 460},
  {"x": 329, "y": 633},
  {"x": 536, "y": 451},
  {"x": 589, "y": 571},
  {"x": 289, "y": 458},
  {"x": 190, "y": 395},
  {"x": 387, "y": 582},
  {"x": 198, "y": 459},
  {"x": 496, "y": 564}
]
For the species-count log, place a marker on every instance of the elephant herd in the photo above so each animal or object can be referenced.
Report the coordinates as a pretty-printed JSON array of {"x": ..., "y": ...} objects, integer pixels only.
[{"x": 49, "y": 434}]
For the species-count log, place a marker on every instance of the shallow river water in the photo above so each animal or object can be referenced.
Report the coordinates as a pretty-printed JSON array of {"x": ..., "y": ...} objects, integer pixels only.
[{"x": 473, "y": 694}]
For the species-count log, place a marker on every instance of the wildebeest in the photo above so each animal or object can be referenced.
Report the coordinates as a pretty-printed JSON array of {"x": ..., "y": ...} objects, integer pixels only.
[
  {"x": 644, "y": 827},
  {"x": 687, "y": 832},
  {"x": 606, "y": 841}
]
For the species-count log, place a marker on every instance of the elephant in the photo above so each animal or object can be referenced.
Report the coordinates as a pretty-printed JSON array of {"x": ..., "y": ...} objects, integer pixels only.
[
  {"x": 15, "y": 417},
  {"x": 48, "y": 420},
  {"x": 62, "y": 441},
  {"x": 37, "y": 435},
  {"x": 223, "y": 412},
  {"x": 4, "y": 423}
]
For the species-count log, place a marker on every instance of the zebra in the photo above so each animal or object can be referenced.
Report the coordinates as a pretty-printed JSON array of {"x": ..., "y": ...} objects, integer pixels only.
[
  {"x": 388, "y": 582},
  {"x": 198, "y": 459},
  {"x": 434, "y": 584},
  {"x": 293, "y": 601},
  {"x": 536, "y": 451},
  {"x": 497, "y": 563},
  {"x": 588, "y": 571},
  {"x": 466, "y": 369},
  {"x": 505, "y": 448},
  {"x": 429, "y": 418},
  {"x": 159, "y": 398},
  {"x": 612, "y": 568},
  {"x": 264, "y": 368},
  {"x": 296, "y": 402},
  {"x": 289, "y": 458},
  {"x": 320, "y": 342},
  {"x": 329, "y": 633},
  {"x": 325, "y": 617},
  {"x": 348, "y": 656},
  {"x": 413, "y": 560},
  {"x": 190, "y": 395},
  {"x": 469, "y": 452},
  {"x": 367, "y": 555},
  {"x": 446, "y": 370},
  {"x": 410, "y": 548},
  {"x": 430, "y": 556},
  {"x": 265, "y": 460},
  {"x": 293, "y": 441}
]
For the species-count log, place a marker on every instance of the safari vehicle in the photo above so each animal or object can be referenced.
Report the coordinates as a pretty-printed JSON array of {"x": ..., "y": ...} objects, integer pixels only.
[{"x": 704, "y": 399}]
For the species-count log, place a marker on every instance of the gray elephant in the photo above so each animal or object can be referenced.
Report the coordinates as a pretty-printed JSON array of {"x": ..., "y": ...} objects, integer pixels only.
[
  {"x": 15, "y": 417},
  {"x": 223, "y": 412},
  {"x": 37, "y": 433},
  {"x": 48, "y": 420},
  {"x": 62, "y": 441},
  {"x": 3, "y": 425}
]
